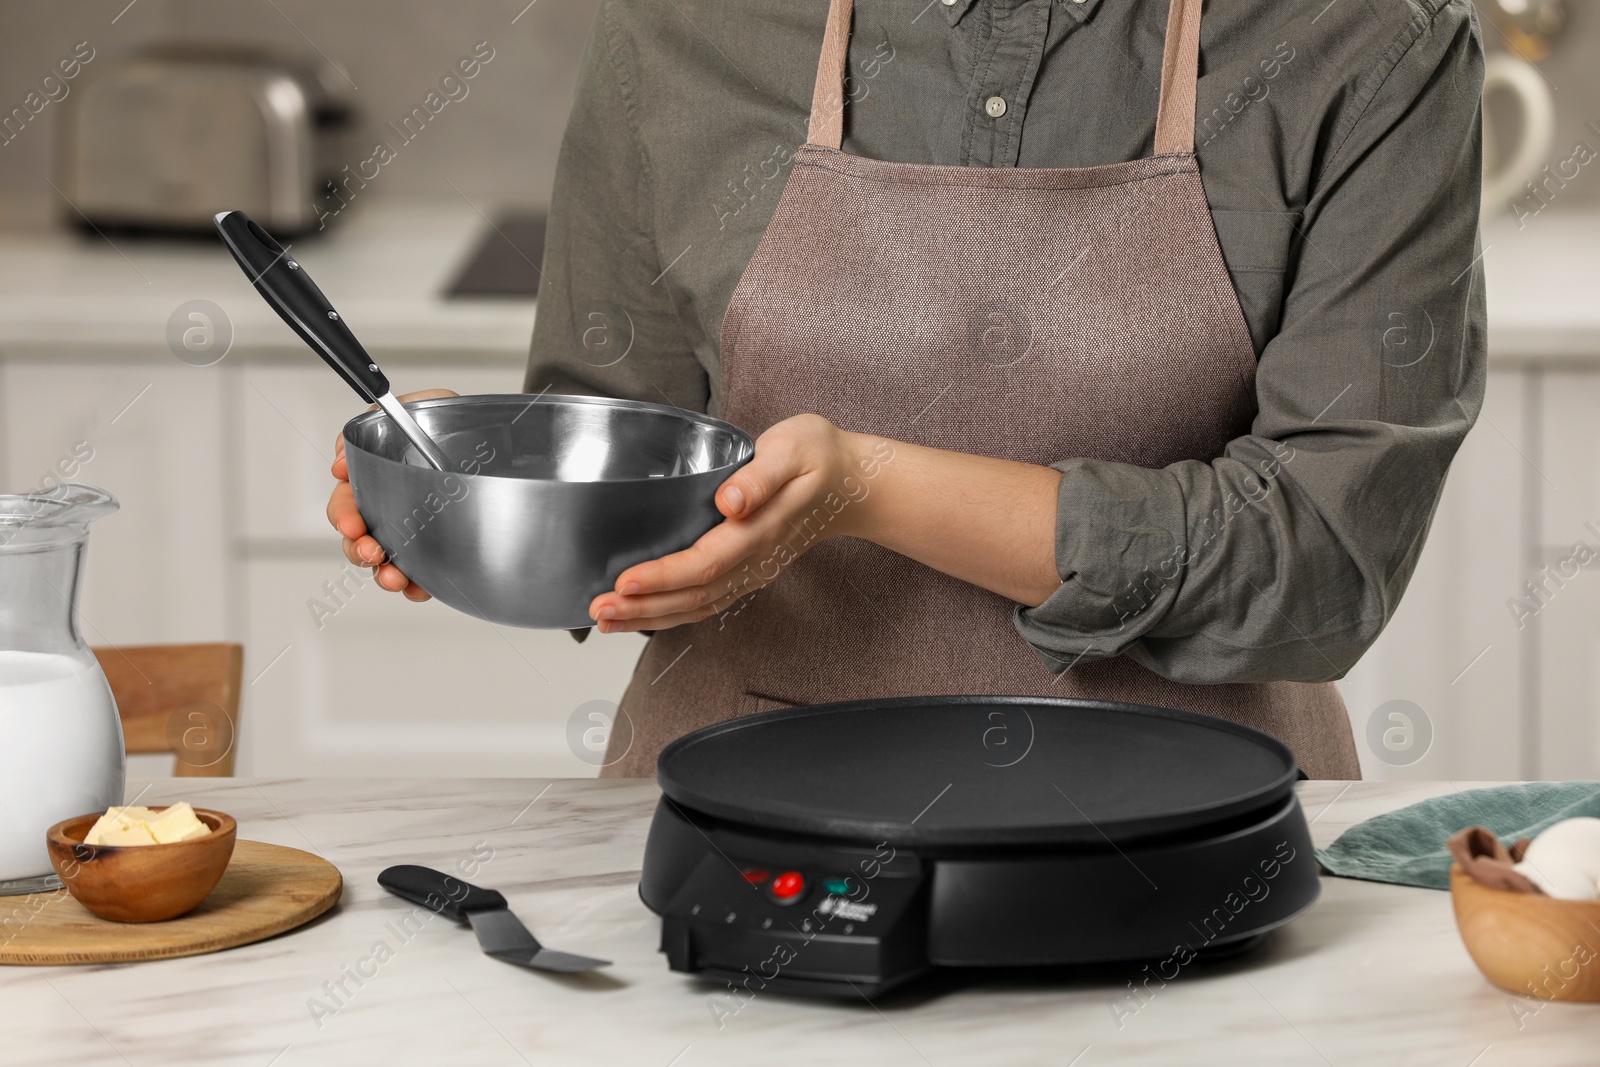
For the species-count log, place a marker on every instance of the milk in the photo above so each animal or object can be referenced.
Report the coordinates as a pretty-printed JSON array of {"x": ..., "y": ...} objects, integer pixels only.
[{"x": 60, "y": 752}]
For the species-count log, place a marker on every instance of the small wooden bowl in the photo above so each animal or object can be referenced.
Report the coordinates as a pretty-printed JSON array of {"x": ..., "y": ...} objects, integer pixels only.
[
  {"x": 1530, "y": 945},
  {"x": 141, "y": 883}
]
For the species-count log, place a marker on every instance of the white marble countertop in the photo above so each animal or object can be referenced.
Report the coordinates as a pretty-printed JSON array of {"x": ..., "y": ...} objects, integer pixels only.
[
  {"x": 387, "y": 266},
  {"x": 385, "y": 269},
  {"x": 1372, "y": 974}
]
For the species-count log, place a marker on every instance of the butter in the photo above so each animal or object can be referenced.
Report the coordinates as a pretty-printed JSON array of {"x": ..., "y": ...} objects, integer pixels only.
[
  {"x": 119, "y": 818},
  {"x": 177, "y": 823},
  {"x": 141, "y": 826},
  {"x": 136, "y": 834}
]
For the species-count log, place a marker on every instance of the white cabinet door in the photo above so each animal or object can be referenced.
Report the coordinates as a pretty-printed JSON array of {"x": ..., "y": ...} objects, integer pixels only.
[
  {"x": 290, "y": 415},
  {"x": 1450, "y": 662},
  {"x": 1562, "y": 609},
  {"x": 149, "y": 429},
  {"x": 381, "y": 686}
]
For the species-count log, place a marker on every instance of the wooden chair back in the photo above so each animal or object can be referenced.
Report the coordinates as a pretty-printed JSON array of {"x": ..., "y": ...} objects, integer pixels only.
[{"x": 182, "y": 699}]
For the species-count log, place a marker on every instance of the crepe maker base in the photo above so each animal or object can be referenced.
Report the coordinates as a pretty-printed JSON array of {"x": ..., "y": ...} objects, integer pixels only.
[{"x": 849, "y": 848}]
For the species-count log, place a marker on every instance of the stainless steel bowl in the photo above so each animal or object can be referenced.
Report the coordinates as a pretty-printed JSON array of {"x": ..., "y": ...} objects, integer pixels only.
[{"x": 557, "y": 496}]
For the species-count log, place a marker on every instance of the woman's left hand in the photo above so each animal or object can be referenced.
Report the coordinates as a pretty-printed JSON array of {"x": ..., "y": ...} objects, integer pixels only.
[{"x": 807, "y": 482}]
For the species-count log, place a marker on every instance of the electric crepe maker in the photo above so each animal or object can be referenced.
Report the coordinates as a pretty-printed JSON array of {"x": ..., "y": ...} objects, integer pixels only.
[{"x": 846, "y": 849}]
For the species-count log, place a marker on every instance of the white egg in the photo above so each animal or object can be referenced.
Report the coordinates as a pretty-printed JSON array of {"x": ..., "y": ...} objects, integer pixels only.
[
  {"x": 1570, "y": 843},
  {"x": 1557, "y": 881}
]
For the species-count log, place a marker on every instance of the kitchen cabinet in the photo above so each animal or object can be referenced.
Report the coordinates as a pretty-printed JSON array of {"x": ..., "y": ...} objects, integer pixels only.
[
  {"x": 1496, "y": 645},
  {"x": 1450, "y": 664},
  {"x": 150, "y": 429},
  {"x": 381, "y": 685},
  {"x": 1562, "y": 611},
  {"x": 289, "y": 415}
]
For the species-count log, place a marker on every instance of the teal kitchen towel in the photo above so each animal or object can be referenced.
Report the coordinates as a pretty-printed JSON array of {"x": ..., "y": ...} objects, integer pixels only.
[{"x": 1407, "y": 846}]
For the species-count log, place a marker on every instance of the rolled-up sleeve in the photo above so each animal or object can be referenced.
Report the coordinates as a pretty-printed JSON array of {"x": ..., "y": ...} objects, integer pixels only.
[
  {"x": 602, "y": 325},
  {"x": 1284, "y": 558}
]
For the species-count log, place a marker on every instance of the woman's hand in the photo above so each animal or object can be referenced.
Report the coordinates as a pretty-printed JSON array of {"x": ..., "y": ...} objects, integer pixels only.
[
  {"x": 809, "y": 481},
  {"x": 359, "y": 546}
]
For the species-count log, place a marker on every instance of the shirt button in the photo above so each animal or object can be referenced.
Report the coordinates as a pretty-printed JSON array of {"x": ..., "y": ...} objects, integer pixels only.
[{"x": 995, "y": 106}]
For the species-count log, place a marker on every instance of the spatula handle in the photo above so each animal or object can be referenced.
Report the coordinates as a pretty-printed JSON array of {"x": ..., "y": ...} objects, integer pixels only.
[
  {"x": 438, "y": 892},
  {"x": 295, "y": 297}
]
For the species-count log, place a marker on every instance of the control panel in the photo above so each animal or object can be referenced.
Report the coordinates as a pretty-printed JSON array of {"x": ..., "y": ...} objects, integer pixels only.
[{"x": 754, "y": 911}]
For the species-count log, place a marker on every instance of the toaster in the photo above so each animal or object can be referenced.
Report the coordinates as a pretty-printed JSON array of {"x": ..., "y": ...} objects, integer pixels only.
[{"x": 165, "y": 139}]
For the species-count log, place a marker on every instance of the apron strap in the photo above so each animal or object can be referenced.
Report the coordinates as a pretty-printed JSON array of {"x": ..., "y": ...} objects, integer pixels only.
[
  {"x": 827, "y": 97},
  {"x": 1180, "y": 69}
]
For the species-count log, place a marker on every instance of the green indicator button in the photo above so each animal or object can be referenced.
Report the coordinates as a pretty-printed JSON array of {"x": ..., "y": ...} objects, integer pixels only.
[{"x": 836, "y": 886}]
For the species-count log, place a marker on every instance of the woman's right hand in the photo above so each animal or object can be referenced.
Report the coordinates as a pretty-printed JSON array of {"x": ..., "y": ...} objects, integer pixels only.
[{"x": 359, "y": 546}]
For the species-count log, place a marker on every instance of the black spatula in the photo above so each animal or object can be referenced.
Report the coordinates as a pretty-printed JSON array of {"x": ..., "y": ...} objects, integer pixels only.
[{"x": 500, "y": 933}]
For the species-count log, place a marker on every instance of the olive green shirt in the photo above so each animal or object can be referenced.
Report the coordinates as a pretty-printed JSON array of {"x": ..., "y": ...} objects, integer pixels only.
[{"x": 1340, "y": 151}]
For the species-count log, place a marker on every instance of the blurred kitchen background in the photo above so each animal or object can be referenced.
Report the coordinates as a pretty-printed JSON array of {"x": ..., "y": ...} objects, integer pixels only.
[{"x": 140, "y": 361}]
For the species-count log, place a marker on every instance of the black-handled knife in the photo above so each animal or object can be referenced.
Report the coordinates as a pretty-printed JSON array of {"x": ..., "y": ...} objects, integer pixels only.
[{"x": 500, "y": 933}]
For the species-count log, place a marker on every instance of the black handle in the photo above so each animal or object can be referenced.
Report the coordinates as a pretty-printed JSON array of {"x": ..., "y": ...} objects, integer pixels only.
[
  {"x": 298, "y": 301},
  {"x": 438, "y": 892}
]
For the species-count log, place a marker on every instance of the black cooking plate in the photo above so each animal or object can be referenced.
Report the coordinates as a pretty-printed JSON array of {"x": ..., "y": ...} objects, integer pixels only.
[{"x": 973, "y": 772}]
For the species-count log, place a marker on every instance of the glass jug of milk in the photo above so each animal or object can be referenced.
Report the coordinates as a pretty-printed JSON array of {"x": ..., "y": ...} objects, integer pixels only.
[{"x": 61, "y": 749}]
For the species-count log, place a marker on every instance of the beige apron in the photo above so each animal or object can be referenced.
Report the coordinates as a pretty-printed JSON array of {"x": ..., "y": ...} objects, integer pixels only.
[{"x": 1029, "y": 314}]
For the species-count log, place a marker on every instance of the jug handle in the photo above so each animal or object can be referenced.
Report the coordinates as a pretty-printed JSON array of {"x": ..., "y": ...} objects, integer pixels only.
[{"x": 1535, "y": 137}]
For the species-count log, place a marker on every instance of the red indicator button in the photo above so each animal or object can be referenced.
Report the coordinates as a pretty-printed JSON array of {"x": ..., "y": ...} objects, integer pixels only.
[
  {"x": 788, "y": 887},
  {"x": 755, "y": 875}
]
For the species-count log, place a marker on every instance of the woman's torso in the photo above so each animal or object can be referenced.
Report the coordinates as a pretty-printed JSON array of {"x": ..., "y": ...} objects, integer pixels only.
[{"x": 718, "y": 95}]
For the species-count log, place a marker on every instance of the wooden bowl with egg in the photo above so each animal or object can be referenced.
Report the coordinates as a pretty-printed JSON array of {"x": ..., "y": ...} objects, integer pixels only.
[
  {"x": 141, "y": 883},
  {"x": 1529, "y": 944}
]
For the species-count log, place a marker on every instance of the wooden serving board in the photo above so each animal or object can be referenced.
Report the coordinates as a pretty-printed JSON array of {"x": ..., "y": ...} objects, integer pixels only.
[{"x": 266, "y": 890}]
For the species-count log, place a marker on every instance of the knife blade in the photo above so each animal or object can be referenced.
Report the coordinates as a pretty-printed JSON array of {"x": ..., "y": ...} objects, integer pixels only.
[{"x": 500, "y": 933}]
